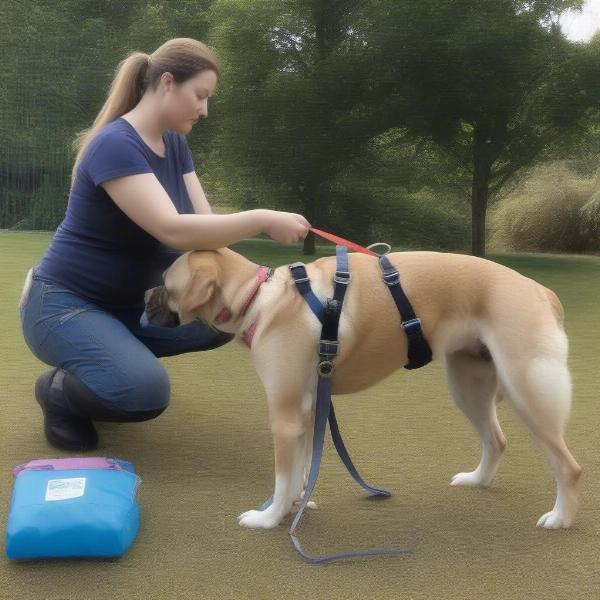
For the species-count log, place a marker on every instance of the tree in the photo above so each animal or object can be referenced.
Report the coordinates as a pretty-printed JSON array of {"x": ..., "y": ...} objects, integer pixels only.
[
  {"x": 311, "y": 82},
  {"x": 494, "y": 83},
  {"x": 292, "y": 102},
  {"x": 59, "y": 60}
]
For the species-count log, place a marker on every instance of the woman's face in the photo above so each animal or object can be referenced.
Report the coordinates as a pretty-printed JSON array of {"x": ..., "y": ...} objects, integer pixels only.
[{"x": 187, "y": 102}]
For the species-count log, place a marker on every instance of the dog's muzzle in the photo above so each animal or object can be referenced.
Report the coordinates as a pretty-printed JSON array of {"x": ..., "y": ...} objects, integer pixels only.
[{"x": 157, "y": 310}]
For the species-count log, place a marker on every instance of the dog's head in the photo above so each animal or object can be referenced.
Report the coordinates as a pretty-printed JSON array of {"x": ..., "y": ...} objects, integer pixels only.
[{"x": 192, "y": 288}]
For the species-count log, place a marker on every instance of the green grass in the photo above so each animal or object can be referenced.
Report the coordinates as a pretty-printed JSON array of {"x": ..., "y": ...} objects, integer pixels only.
[{"x": 209, "y": 458}]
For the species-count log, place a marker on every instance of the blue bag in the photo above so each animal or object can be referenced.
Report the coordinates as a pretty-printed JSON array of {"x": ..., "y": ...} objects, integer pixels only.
[{"x": 72, "y": 508}]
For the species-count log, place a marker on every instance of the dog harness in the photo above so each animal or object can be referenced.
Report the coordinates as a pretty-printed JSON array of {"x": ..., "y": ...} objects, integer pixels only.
[
  {"x": 419, "y": 354},
  {"x": 419, "y": 351}
]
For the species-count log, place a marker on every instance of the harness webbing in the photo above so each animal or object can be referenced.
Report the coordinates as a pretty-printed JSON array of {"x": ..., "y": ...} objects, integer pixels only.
[
  {"x": 328, "y": 349},
  {"x": 298, "y": 271},
  {"x": 419, "y": 351}
]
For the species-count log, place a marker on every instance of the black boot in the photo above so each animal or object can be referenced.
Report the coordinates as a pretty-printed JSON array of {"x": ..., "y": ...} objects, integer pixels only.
[
  {"x": 70, "y": 406},
  {"x": 63, "y": 428},
  {"x": 84, "y": 403}
]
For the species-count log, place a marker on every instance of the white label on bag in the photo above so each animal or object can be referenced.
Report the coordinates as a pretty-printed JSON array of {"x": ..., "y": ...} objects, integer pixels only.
[{"x": 63, "y": 489}]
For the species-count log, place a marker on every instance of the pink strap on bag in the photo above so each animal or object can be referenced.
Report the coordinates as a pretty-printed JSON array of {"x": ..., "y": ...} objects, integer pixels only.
[{"x": 56, "y": 464}]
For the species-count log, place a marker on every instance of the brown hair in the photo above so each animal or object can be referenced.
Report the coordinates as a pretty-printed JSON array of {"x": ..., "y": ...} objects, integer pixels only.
[{"x": 182, "y": 57}]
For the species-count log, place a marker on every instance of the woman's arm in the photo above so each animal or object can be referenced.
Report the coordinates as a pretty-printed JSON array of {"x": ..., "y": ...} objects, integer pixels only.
[
  {"x": 143, "y": 199},
  {"x": 196, "y": 194}
]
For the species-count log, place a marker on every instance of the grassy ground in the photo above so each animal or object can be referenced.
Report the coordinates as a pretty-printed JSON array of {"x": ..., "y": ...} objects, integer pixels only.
[{"x": 209, "y": 458}]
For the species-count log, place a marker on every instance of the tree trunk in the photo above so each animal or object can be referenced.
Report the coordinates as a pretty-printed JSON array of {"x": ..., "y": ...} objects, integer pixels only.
[
  {"x": 310, "y": 206},
  {"x": 482, "y": 168},
  {"x": 325, "y": 26}
]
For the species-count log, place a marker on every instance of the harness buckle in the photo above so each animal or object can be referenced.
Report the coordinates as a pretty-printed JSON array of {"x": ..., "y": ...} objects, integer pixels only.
[
  {"x": 328, "y": 347},
  {"x": 412, "y": 327},
  {"x": 392, "y": 278},
  {"x": 343, "y": 277},
  {"x": 297, "y": 265},
  {"x": 325, "y": 369}
]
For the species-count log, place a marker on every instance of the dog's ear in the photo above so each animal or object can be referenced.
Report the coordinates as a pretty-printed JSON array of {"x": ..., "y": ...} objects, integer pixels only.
[{"x": 199, "y": 290}]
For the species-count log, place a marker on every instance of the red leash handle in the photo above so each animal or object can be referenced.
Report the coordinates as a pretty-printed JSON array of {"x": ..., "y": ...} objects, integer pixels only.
[{"x": 342, "y": 242}]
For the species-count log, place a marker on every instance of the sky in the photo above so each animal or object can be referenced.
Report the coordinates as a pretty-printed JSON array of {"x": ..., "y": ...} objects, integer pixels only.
[{"x": 581, "y": 26}]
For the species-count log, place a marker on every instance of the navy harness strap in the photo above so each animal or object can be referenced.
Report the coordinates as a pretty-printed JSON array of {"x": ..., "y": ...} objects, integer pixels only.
[
  {"x": 298, "y": 271},
  {"x": 419, "y": 351},
  {"x": 328, "y": 344},
  {"x": 328, "y": 349},
  {"x": 324, "y": 409}
]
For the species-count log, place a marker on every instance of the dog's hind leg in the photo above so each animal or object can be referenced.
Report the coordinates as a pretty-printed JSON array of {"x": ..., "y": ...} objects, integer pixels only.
[
  {"x": 540, "y": 390},
  {"x": 473, "y": 384}
]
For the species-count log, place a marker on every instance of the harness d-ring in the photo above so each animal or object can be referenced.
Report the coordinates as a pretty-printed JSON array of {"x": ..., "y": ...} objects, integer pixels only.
[{"x": 389, "y": 248}]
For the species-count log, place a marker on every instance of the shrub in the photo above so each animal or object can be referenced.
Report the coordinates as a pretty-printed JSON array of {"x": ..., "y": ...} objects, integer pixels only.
[{"x": 553, "y": 210}]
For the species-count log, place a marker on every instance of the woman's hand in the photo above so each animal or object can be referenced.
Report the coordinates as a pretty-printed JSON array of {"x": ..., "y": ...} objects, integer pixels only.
[{"x": 284, "y": 227}]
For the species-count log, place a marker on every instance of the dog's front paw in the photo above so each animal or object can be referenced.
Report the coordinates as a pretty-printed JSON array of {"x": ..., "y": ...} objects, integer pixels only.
[
  {"x": 260, "y": 519},
  {"x": 553, "y": 520},
  {"x": 472, "y": 479}
]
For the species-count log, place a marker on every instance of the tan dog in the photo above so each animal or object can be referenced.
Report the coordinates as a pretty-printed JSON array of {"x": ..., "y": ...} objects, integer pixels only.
[{"x": 498, "y": 333}]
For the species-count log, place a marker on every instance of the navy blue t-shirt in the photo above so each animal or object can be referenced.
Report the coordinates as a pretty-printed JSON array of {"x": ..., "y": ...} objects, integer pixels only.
[{"x": 97, "y": 250}]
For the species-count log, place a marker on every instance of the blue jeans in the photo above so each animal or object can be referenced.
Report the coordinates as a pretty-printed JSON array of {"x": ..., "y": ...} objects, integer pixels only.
[{"x": 109, "y": 352}]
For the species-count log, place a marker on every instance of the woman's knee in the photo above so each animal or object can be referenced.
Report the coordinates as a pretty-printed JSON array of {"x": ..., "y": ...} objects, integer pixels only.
[
  {"x": 149, "y": 390},
  {"x": 81, "y": 400},
  {"x": 140, "y": 388}
]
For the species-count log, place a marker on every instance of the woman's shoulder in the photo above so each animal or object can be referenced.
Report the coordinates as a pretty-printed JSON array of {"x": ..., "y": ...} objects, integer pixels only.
[
  {"x": 114, "y": 151},
  {"x": 120, "y": 134},
  {"x": 114, "y": 143},
  {"x": 116, "y": 132}
]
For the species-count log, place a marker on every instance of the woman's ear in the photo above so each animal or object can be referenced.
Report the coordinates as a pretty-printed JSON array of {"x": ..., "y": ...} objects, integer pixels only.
[{"x": 198, "y": 292}]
